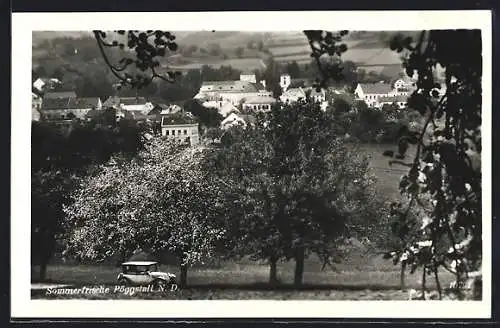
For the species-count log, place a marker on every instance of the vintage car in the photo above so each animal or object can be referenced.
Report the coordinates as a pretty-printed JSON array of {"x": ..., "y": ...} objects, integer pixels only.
[{"x": 144, "y": 273}]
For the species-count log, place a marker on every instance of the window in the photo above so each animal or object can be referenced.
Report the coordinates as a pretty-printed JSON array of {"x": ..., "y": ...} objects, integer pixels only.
[
  {"x": 178, "y": 132},
  {"x": 167, "y": 133},
  {"x": 173, "y": 132},
  {"x": 185, "y": 132}
]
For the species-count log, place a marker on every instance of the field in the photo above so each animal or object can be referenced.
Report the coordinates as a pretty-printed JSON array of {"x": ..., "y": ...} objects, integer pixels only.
[
  {"x": 362, "y": 275},
  {"x": 370, "y": 278},
  {"x": 285, "y": 47}
]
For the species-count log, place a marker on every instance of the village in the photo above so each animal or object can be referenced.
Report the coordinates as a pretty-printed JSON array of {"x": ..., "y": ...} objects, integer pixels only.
[{"x": 236, "y": 101}]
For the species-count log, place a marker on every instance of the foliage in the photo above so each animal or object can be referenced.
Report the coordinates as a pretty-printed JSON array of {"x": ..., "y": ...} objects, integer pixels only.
[
  {"x": 58, "y": 161},
  {"x": 445, "y": 177},
  {"x": 444, "y": 180},
  {"x": 161, "y": 201},
  {"x": 49, "y": 191},
  {"x": 146, "y": 54},
  {"x": 208, "y": 117},
  {"x": 326, "y": 52},
  {"x": 239, "y": 52},
  {"x": 299, "y": 188}
]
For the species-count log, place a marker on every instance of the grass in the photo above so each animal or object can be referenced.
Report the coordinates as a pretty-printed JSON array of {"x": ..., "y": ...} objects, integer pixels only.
[
  {"x": 362, "y": 275},
  {"x": 368, "y": 277}
]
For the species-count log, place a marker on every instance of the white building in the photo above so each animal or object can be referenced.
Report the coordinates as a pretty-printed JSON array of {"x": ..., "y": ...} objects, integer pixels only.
[
  {"x": 318, "y": 96},
  {"x": 217, "y": 93},
  {"x": 180, "y": 130},
  {"x": 404, "y": 87},
  {"x": 36, "y": 101},
  {"x": 285, "y": 81},
  {"x": 45, "y": 83},
  {"x": 259, "y": 104},
  {"x": 232, "y": 120},
  {"x": 248, "y": 77},
  {"x": 227, "y": 109},
  {"x": 399, "y": 100},
  {"x": 293, "y": 95},
  {"x": 370, "y": 93}
]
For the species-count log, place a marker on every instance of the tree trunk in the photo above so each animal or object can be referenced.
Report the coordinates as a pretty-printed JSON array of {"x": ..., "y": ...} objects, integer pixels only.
[
  {"x": 423, "y": 282},
  {"x": 299, "y": 266},
  {"x": 402, "y": 275},
  {"x": 184, "y": 271},
  {"x": 273, "y": 275},
  {"x": 43, "y": 270}
]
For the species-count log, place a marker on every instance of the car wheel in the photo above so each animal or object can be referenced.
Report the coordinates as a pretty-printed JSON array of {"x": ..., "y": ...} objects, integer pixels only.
[{"x": 124, "y": 282}]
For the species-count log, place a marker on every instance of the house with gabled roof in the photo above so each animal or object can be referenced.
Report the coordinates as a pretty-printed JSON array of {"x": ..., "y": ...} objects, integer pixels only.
[
  {"x": 231, "y": 120},
  {"x": 180, "y": 128},
  {"x": 59, "y": 94},
  {"x": 217, "y": 93},
  {"x": 46, "y": 83},
  {"x": 293, "y": 95},
  {"x": 67, "y": 108},
  {"x": 258, "y": 104},
  {"x": 227, "y": 109},
  {"x": 371, "y": 92},
  {"x": 399, "y": 100}
]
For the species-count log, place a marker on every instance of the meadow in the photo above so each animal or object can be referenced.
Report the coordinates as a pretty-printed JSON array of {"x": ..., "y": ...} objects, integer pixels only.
[
  {"x": 363, "y": 274},
  {"x": 365, "y": 277}
]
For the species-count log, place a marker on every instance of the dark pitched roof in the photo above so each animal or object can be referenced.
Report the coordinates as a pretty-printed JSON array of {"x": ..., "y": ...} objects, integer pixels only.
[
  {"x": 114, "y": 101},
  {"x": 232, "y": 86},
  {"x": 69, "y": 103},
  {"x": 56, "y": 103},
  {"x": 393, "y": 99},
  {"x": 177, "y": 118},
  {"x": 88, "y": 102},
  {"x": 259, "y": 86},
  {"x": 376, "y": 88},
  {"x": 59, "y": 94},
  {"x": 111, "y": 102},
  {"x": 132, "y": 100},
  {"x": 302, "y": 82}
]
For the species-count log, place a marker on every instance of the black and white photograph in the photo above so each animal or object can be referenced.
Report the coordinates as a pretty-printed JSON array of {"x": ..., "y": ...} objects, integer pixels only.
[{"x": 226, "y": 161}]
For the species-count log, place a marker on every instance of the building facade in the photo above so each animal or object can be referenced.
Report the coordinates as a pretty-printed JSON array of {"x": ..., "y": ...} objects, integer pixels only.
[
  {"x": 258, "y": 104},
  {"x": 68, "y": 108},
  {"x": 181, "y": 133}
]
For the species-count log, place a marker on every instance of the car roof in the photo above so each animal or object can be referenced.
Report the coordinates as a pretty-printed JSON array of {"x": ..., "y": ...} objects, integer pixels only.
[{"x": 140, "y": 263}]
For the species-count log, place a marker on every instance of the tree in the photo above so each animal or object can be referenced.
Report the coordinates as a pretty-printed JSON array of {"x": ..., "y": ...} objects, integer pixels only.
[
  {"x": 299, "y": 187},
  {"x": 250, "y": 44},
  {"x": 146, "y": 54},
  {"x": 239, "y": 52},
  {"x": 161, "y": 201},
  {"x": 214, "y": 49},
  {"x": 49, "y": 191},
  {"x": 214, "y": 133},
  {"x": 293, "y": 69},
  {"x": 445, "y": 176},
  {"x": 444, "y": 180},
  {"x": 58, "y": 161},
  {"x": 208, "y": 117},
  {"x": 260, "y": 45}
]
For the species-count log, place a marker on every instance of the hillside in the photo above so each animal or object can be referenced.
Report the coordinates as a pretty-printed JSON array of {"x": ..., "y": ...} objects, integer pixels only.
[{"x": 241, "y": 50}]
